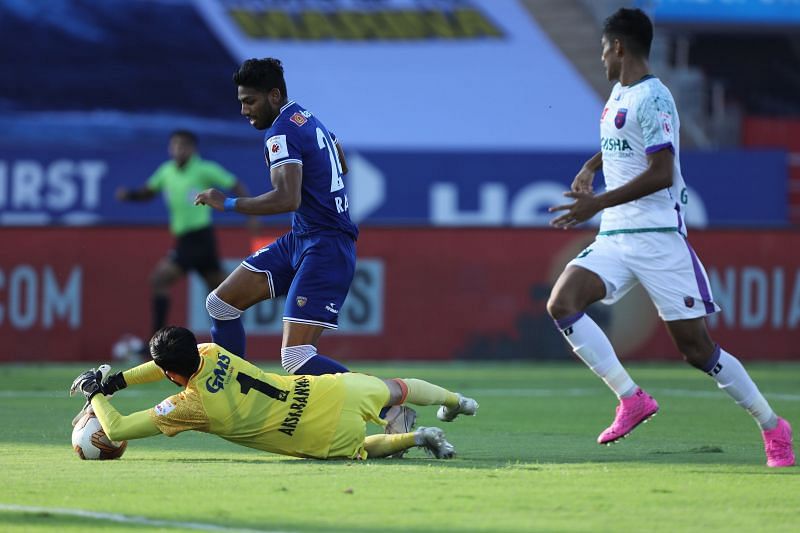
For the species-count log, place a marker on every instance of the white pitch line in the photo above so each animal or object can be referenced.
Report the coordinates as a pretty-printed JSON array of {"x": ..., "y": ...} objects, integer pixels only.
[
  {"x": 532, "y": 392},
  {"x": 721, "y": 395},
  {"x": 535, "y": 392},
  {"x": 54, "y": 394},
  {"x": 127, "y": 519}
]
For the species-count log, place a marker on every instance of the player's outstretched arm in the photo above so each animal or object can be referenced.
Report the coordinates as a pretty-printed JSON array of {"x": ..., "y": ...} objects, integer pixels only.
[
  {"x": 145, "y": 373},
  {"x": 89, "y": 384},
  {"x": 283, "y": 198},
  {"x": 240, "y": 190},
  {"x": 142, "y": 194},
  {"x": 118, "y": 427}
]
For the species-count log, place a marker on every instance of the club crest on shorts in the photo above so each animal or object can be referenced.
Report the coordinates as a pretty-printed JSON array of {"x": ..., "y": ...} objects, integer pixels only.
[
  {"x": 689, "y": 301},
  {"x": 301, "y": 301},
  {"x": 619, "y": 120}
]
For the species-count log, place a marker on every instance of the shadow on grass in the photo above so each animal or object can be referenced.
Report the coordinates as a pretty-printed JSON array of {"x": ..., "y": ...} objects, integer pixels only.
[
  {"x": 700, "y": 449},
  {"x": 705, "y": 455},
  {"x": 49, "y": 521},
  {"x": 56, "y": 521}
]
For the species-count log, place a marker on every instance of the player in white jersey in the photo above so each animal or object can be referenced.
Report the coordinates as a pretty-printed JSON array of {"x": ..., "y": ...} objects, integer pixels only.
[{"x": 642, "y": 240}]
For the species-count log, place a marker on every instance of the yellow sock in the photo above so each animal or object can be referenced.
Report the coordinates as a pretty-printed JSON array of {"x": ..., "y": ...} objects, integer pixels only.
[
  {"x": 382, "y": 445},
  {"x": 423, "y": 393}
]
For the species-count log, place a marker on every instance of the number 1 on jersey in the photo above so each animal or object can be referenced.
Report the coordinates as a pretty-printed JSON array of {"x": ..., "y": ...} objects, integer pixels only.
[
  {"x": 336, "y": 167},
  {"x": 249, "y": 382}
]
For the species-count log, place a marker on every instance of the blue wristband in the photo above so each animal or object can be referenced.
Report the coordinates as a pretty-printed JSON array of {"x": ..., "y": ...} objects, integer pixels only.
[{"x": 229, "y": 204}]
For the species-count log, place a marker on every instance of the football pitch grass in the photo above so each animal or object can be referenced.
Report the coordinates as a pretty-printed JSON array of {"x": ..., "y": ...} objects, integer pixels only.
[{"x": 527, "y": 462}]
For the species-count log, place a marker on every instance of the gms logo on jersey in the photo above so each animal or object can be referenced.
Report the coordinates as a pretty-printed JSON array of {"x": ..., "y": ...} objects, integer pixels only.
[{"x": 220, "y": 377}]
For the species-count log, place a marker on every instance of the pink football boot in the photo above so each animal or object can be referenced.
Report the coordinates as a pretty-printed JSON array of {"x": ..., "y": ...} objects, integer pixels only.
[
  {"x": 778, "y": 445},
  {"x": 631, "y": 412}
]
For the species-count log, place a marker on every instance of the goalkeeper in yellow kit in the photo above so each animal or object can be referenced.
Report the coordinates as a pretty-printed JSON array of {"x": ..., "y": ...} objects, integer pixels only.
[{"x": 321, "y": 417}]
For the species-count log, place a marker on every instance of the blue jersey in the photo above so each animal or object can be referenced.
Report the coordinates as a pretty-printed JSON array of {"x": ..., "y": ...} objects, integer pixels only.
[{"x": 297, "y": 136}]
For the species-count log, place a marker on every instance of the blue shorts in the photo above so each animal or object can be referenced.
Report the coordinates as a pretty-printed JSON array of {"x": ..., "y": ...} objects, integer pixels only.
[{"x": 313, "y": 271}]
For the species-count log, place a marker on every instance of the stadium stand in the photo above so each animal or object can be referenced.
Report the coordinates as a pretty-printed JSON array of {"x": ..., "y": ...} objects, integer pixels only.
[{"x": 459, "y": 121}]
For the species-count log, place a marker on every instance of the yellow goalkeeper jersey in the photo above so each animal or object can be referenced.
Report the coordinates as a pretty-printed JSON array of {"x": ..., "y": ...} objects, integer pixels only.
[{"x": 234, "y": 399}]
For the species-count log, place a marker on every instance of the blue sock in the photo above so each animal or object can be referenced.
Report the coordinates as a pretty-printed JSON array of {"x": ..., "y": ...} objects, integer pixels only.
[
  {"x": 229, "y": 334},
  {"x": 318, "y": 365}
]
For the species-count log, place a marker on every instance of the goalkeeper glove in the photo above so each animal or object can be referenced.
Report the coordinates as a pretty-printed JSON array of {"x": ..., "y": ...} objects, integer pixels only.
[
  {"x": 114, "y": 383},
  {"x": 88, "y": 383}
]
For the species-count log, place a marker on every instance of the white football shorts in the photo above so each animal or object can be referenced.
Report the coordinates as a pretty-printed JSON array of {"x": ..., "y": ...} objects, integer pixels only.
[{"x": 663, "y": 262}]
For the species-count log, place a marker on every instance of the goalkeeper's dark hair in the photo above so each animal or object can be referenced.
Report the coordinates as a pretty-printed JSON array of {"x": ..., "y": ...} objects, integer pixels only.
[
  {"x": 262, "y": 74},
  {"x": 174, "y": 348},
  {"x": 633, "y": 27}
]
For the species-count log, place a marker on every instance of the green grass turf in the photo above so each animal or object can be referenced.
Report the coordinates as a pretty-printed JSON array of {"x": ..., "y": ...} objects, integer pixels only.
[{"x": 527, "y": 462}]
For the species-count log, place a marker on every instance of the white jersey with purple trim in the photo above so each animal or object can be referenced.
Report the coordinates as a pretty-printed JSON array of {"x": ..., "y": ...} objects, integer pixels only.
[{"x": 638, "y": 120}]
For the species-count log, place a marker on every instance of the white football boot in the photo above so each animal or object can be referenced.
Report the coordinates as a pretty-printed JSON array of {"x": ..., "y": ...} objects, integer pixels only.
[{"x": 466, "y": 406}]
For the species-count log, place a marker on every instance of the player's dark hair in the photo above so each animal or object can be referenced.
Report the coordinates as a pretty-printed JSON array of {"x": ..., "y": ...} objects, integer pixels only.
[
  {"x": 633, "y": 27},
  {"x": 174, "y": 348},
  {"x": 185, "y": 134},
  {"x": 262, "y": 74}
]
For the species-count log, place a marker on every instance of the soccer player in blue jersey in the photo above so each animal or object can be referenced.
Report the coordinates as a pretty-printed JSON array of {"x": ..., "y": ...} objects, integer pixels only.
[
  {"x": 314, "y": 263},
  {"x": 642, "y": 240}
]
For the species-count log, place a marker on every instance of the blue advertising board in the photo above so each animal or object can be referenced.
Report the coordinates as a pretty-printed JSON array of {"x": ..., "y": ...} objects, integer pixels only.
[
  {"x": 778, "y": 12},
  {"x": 76, "y": 186}
]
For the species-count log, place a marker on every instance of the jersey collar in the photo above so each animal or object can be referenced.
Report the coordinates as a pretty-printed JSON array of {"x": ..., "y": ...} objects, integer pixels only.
[
  {"x": 640, "y": 80},
  {"x": 199, "y": 368},
  {"x": 193, "y": 159}
]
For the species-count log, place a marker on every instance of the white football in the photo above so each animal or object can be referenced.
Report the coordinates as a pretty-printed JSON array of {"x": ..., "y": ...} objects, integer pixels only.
[{"x": 90, "y": 441}]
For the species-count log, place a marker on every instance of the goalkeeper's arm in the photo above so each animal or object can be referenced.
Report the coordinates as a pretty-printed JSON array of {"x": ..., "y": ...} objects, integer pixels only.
[
  {"x": 145, "y": 373},
  {"x": 119, "y": 427}
]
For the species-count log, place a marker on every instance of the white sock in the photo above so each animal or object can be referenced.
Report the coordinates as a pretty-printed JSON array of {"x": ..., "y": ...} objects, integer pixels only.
[
  {"x": 593, "y": 347},
  {"x": 734, "y": 379},
  {"x": 294, "y": 357}
]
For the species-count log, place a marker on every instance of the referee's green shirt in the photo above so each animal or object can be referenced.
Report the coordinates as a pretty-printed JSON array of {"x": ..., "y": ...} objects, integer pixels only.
[{"x": 181, "y": 185}]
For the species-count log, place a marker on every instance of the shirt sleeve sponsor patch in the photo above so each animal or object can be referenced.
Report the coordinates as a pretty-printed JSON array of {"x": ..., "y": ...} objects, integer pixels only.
[
  {"x": 165, "y": 407},
  {"x": 276, "y": 148},
  {"x": 298, "y": 119},
  {"x": 666, "y": 123}
]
